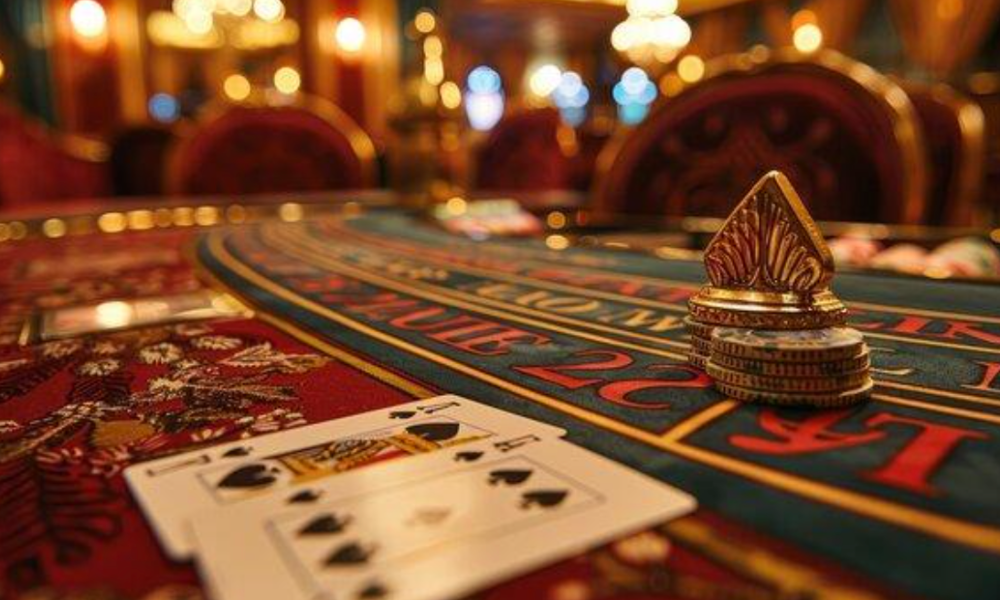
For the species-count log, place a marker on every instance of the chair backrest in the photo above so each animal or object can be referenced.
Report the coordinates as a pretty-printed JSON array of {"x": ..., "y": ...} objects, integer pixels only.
[
  {"x": 524, "y": 152},
  {"x": 38, "y": 166},
  {"x": 845, "y": 136},
  {"x": 955, "y": 130},
  {"x": 138, "y": 160},
  {"x": 247, "y": 149}
]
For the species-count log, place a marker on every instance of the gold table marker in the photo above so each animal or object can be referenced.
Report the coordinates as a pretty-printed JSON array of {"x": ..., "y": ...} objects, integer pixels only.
[{"x": 769, "y": 267}]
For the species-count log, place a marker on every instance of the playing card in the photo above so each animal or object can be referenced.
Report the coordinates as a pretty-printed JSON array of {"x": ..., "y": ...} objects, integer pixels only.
[
  {"x": 436, "y": 526},
  {"x": 172, "y": 489}
]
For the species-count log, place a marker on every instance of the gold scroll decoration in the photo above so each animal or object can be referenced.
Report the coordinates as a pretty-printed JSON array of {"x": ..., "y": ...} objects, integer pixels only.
[
  {"x": 769, "y": 266},
  {"x": 770, "y": 243}
]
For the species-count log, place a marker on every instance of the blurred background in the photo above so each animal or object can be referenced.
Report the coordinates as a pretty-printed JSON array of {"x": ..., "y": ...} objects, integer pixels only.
[{"x": 883, "y": 111}]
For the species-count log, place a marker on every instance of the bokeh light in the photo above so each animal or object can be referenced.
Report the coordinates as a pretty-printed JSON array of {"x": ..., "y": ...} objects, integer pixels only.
[
  {"x": 236, "y": 87},
  {"x": 287, "y": 80},
  {"x": 433, "y": 70},
  {"x": 483, "y": 80},
  {"x": 633, "y": 93},
  {"x": 425, "y": 22},
  {"x": 164, "y": 108},
  {"x": 350, "y": 35},
  {"x": 433, "y": 46},
  {"x": 808, "y": 38},
  {"x": 451, "y": 95},
  {"x": 691, "y": 68},
  {"x": 484, "y": 100},
  {"x": 88, "y": 18},
  {"x": 571, "y": 97},
  {"x": 271, "y": 11},
  {"x": 545, "y": 80}
]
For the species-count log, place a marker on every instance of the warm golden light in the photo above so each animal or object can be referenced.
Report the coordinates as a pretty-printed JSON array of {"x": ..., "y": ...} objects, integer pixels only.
[
  {"x": 287, "y": 80},
  {"x": 290, "y": 212},
  {"x": 350, "y": 35},
  {"x": 949, "y": 10},
  {"x": 433, "y": 46},
  {"x": 691, "y": 68},
  {"x": 808, "y": 38},
  {"x": 671, "y": 85},
  {"x": 545, "y": 80},
  {"x": 206, "y": 216},
  {"x": 456, "y": 205},
  {"x": 3, "y": 70},
  {"x": 425, "y": 21},
  {"x": 451, "y": 95},
  {"x": 54, "y": 228},
  {"x": 88, "y": 18},
  {"x": 236, "y": 87},
  {"x": 114, "y": 314},
  {"x": 557, "y": 242},
  {"x": 803, "y": 17},
  {"x": 200, "y": 22},
  {"x": 434, "y": 71},
  {"x": 167, "y": 29},
  {"x": 556, "y": 220},
  {"x": 112, "y": 222},
  {"x": 240, "y": 8},
  {"x": 271, "y": 11},
  {"x": 646, "y": 7},
  {"x": 652, "y": 32}
]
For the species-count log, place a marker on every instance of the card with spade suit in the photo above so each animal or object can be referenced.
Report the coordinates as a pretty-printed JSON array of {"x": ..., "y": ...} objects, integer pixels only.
[
  {"x": 171, "y": 489},
  {"x": 439, "y": 526}
]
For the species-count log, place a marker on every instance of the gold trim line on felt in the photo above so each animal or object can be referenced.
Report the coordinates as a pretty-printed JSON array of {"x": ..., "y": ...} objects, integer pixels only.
[{"x": 943, "y": 527}]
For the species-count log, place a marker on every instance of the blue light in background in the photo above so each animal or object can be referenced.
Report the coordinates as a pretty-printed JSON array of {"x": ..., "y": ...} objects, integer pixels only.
[
  {"x": 484, "y": 80},
  {"x": 633, "y": 94},
  {"x": 484, "y": 101},
  {"x": 164, "y": 108},
  {"x": 571, "y": 97}
]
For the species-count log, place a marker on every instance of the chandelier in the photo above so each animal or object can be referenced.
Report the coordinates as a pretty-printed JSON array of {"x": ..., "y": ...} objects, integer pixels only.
[
  {"x": 652, "y": 33},
  {"x": 210, "y": 24}
]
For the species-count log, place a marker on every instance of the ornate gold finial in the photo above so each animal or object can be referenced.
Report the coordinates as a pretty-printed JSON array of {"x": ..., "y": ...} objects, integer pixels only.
[
  {"x": 769, "y": 266},
  {"x": 770, "y": 243}
]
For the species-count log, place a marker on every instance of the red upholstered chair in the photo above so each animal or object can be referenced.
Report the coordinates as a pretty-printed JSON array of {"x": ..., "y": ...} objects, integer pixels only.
[
  {"x": 38, "y": 166},
  {"x": 955, "y": 130},
  {"x": 846, "y": 136},
  {"x": 256, "y": 149},
  {"x": 528, "y": 150}
]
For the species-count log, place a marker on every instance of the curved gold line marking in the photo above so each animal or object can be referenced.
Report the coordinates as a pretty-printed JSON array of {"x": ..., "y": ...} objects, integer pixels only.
[
  {"x": 401, "y": 383},
  {"x": 925, "y": 389},
  {"x": 691, "y": 286},
  {"x": 455, "y": 298},
  {"x": 943, "y": 527}
]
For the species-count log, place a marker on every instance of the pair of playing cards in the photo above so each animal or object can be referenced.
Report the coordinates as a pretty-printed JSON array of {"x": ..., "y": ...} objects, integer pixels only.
[{"x": 454, "y": 496}]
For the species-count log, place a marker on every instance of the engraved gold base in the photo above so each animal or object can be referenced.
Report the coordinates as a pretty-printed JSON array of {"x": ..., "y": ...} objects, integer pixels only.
[{"x": 766, "y": 310}]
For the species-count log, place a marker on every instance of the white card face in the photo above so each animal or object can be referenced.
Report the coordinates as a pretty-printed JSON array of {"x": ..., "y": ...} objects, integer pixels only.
[
  {"x": 171, "y": 490},
  {"x": 436, "y": 526}
]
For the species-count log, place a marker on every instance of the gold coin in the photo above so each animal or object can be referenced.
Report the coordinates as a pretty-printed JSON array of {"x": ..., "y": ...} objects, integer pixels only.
[
  {"x": 814, "y": 345},
  {"x": 699, "y": 329},
  {"x": 816, "y": 399},
  {"x": 830, "y": 383},
  {"x": 702, "y": 345},
  {"x": 720, "y": 317},
  {"x": 697, "y": 359},
  {"x": 792, "y": 369}
]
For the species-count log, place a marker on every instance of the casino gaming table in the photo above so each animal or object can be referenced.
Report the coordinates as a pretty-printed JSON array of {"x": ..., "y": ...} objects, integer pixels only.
[{"x": 357, "y": 310}]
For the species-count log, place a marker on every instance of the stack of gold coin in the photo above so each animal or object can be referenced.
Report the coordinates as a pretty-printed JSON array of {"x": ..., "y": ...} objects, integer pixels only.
[
  {"x": 701, "y": 342},
  {"x": 817, "y": 367}
]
